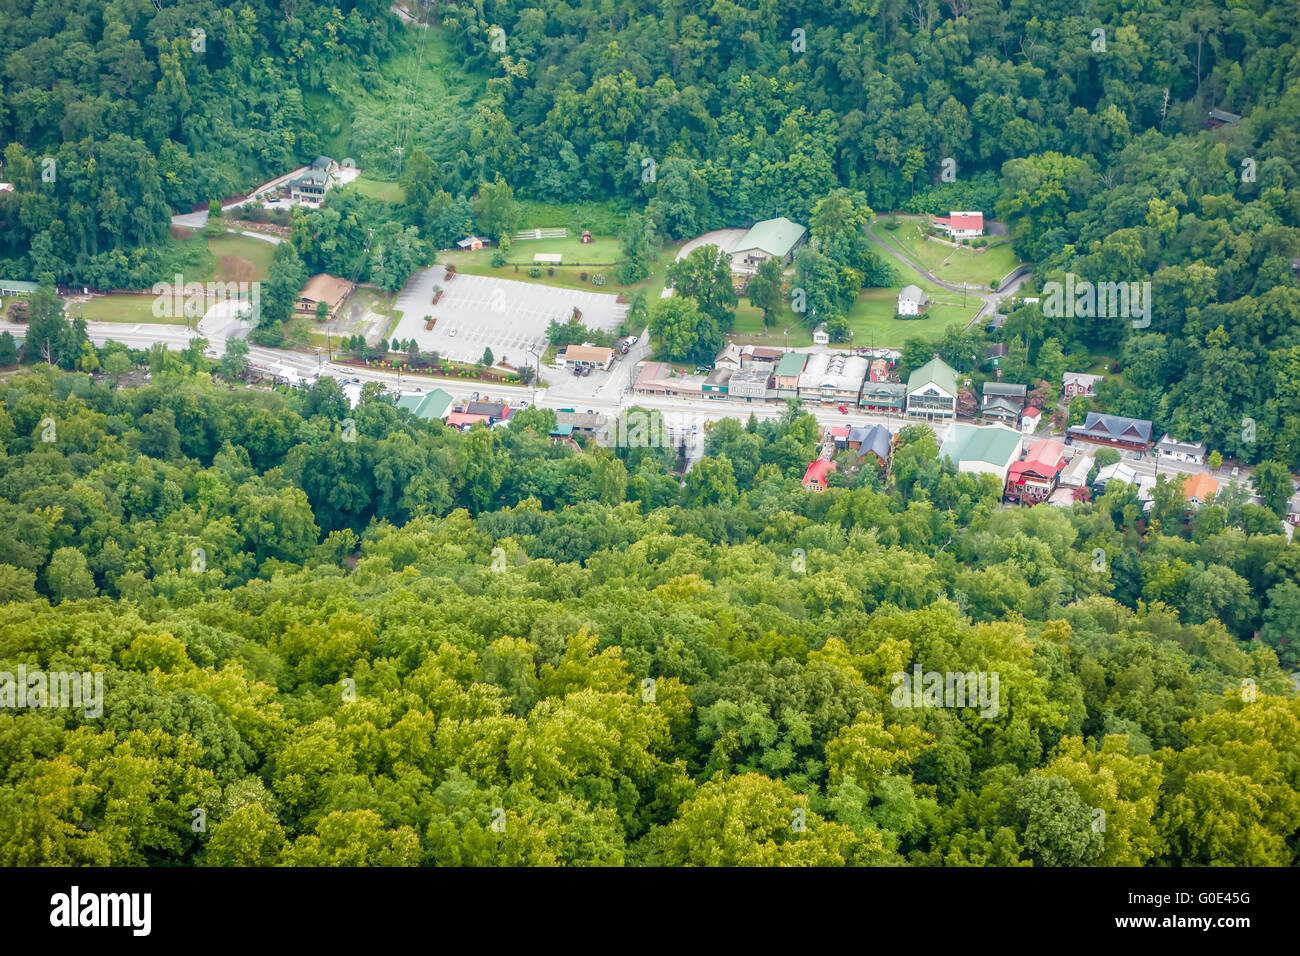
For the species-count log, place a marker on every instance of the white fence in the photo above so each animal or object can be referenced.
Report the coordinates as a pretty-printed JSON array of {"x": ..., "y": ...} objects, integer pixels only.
[{"x": 527, "y": 234}]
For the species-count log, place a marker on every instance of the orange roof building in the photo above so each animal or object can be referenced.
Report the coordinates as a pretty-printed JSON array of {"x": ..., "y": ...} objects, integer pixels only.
[{"x": 1200, "y": 488}]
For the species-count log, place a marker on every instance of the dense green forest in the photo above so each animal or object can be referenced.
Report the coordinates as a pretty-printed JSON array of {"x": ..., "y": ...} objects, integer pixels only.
[{"x": 349, "y": 636}]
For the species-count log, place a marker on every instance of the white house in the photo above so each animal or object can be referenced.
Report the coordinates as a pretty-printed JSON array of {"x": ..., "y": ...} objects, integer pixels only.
[
  {"x": 961, "y": 225},
  {"x": 1191, "y": 452},
  {"x": 911, "y": 300},
  {"x": 821, "y": 336},
  {"x": 1030, "y": 419}
]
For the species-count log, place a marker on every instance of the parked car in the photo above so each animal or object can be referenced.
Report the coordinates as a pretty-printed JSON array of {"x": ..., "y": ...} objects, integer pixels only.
[
  {"x": 844, "y": 409},
  {"x": 451, "y": 334}
]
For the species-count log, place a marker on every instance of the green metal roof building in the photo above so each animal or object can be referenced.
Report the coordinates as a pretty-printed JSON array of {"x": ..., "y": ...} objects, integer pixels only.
[
  {"x": 435, "y": 405},
  {"x": 776, "y": 237}
]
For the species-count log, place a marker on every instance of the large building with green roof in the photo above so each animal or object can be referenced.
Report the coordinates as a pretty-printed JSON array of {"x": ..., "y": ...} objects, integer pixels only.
[
  {"x": 932, "y": 390},
  {"x": 770, "y": 239},
  {"x": 433, "y": 404},
  {"x": 982, "y": 449}
]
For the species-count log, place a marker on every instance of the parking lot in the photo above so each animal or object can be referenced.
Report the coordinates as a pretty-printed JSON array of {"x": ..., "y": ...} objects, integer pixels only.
[{"x": 478, "y": 312}]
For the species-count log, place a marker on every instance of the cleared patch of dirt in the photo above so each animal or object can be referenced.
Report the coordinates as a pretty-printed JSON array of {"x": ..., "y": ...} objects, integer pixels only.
[{"x": 235, "y": 269}]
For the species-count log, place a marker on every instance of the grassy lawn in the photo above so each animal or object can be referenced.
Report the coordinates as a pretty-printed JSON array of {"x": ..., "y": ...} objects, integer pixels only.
[
  {"x": 602, "y": 218},
  {"x": 603, "y": 251},
  {"x": 240, "y": 258},
  {"x": 871, "y": 319},
  {"x": 962, "y": 264},
  {"x": 374, "y": 189},
  {"x": 129, "y": 309}
]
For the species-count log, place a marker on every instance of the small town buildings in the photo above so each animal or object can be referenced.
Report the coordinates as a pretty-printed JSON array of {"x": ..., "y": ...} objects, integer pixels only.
[
  {"x": 879, "y": 370},
  {"x": 730, "y": 357},
  {"x": 1078, "y": 383},
  {"x": 17, "y": 287},
  {"x": 1293, "y": 509},
  {"x": 751, "y": 354},
  {"x": 1002, "y": 401},
  {"x": 464, "y": 420},
  {"x": 657, "y": 378},
  {"x": 932, "y": 390},
  {"x": 911, "y": 300},
  {"x": 821, "y": 336},
  {"x": 994, "y": 355},
  {"x": 1217, "y": 118},
  {"x": 428, "y": 406},
  {"x": 1075, "y": 473},
  {"x": 1030, "y": 419},
  {"x": 981, "y": 449},
  {"x": 470, "y": 243},
  {"x": 326, "y": 288},
  {"x": 787, "y": 374},
  {"x": 888, "y": 397},
  {"x": 1126, "y": 473},
  {"x": 497, "y": 410},
  {"x": 871, "y": 440},
  {"x": 586, "y": 236},
  {"x": 817, "y": 477},
  {"x": 1172, "y": 450},
  {"x": 715, "y": 383},
  {"x": 835, "y": 379},
  {"x": 961, "y": 225},
  {"x": 581, "y": 423},
  {"x": 593, "y": 356},
  {"x": 1199, "y": 488},
  {"x": 840, "y": 435},
  {"x": 769, "y": 239},
  {"x": 1034, "y": 477},
  {"x": 1114, "y": 430},
  {"x": 751, "y": 382},
  {"x": 1063, "y": 498}
]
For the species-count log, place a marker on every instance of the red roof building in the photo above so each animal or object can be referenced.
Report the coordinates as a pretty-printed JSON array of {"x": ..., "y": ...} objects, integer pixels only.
[
  {"x": 817, "y": 477},
  {"x": 1034, "y": 477},
  {"x": 461, "y": 419},
  {"x": 961, "y": 225}
]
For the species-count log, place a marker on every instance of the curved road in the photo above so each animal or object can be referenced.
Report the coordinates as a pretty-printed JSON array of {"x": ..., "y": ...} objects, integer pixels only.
[{"x": 991, "y": 300}]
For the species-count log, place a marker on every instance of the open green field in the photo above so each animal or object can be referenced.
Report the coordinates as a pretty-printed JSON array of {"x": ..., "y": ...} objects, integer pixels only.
[
  {"x": 240, "y": 258},
  {"x": 374, "y": 189},
  {"x": 602, "y": 251},
  {"x": 602, "y": 218},
  {"x": 128, "y": 309},
  {"x": 871, "y": 320},
  {"x": 962, "y": 264}
]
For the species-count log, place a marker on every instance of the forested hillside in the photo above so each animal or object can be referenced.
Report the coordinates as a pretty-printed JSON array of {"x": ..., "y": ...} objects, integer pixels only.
[{"x": 402, "y": 645}]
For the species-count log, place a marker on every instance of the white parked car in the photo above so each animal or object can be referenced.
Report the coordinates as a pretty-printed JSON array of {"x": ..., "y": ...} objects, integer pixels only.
[{"x": 452, "y": 333}]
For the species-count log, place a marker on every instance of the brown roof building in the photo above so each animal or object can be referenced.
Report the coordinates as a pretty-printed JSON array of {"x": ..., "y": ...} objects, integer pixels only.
[{"x": 323, "y": 288}]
